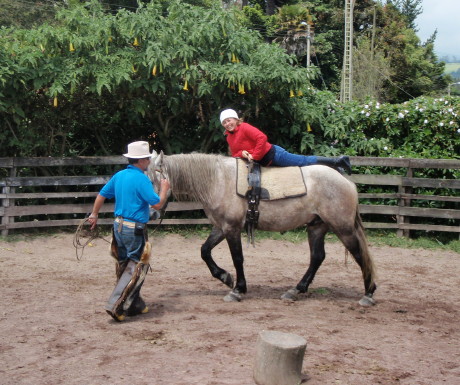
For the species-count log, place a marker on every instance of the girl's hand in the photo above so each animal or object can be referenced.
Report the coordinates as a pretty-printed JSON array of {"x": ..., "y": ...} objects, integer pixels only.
[{"x": 247, "y": 155}]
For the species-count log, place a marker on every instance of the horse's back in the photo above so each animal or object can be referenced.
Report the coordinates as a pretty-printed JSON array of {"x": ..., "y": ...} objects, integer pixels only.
[{"x": 330, "y": 192}]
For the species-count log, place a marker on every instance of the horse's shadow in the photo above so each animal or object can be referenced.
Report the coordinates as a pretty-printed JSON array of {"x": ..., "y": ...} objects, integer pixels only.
[{"x": 266, "y": 292}]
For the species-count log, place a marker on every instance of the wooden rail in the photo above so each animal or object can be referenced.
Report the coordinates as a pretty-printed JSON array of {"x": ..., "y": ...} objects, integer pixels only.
[{"x": 45, "y": 201}]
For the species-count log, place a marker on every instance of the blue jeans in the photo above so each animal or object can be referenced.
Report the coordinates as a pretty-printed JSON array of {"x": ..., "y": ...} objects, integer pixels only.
[
  {"x": 283, "y": 158},
  {"x": 130, "y": 245}
]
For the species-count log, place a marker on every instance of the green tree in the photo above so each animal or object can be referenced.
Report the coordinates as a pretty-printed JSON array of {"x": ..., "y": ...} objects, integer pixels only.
[
  {"x": 25, "y": 14},
  {"x": 410, "y": 9},
  {"x": 161, "y": 73}
]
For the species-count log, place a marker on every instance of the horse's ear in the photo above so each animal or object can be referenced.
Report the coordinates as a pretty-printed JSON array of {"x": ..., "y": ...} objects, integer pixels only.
[{"x": 157, "y": 159}]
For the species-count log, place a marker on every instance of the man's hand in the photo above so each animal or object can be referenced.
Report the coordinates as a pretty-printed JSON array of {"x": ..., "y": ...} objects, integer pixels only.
[
  {"x": 92, "y": 219},
  {"x": 164, "y": 185}
]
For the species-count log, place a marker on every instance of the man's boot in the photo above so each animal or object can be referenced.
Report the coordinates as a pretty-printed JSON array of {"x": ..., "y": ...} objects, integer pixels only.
[{"x": 341, "y": 164}]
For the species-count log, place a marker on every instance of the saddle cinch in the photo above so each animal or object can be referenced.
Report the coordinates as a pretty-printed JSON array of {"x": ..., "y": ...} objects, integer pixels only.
[{"x": 266, "y": 183}]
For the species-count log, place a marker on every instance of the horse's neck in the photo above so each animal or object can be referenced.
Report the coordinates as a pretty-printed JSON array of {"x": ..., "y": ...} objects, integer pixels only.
[{"x": 196, "y": 177}]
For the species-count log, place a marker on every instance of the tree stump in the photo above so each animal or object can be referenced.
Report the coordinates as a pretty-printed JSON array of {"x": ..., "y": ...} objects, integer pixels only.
[{"x": 279, "y": 358}]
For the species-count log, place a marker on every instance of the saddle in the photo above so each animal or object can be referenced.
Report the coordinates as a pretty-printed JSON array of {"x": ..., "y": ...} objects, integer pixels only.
[
  {"x": 275, "y": 182},
  {"x": 266, "y": 183}
]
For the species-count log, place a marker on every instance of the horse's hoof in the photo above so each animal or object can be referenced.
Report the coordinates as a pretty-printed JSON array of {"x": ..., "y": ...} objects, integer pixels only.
[
  {"x": 291, "y": 295},
  {"x": 233, "y": 297},
  {"x": 227, "y": 279},
  {"x": 367, "y": 301}
]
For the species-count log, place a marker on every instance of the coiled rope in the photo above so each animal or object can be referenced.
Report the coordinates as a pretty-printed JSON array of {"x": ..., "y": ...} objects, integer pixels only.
[{"x": 84, "y": 236}]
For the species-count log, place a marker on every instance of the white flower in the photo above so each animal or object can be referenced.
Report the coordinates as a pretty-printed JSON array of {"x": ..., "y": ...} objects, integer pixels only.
[
  {"x": 441, "y": 124},
  {"x": 425, "y": 121},
  {"x": 367, "y": 113},
  {"x": 421, "y": 110},
  {"x": 406, "y": 111},
  {"x": 451, "y": 122},
  {"x": 387, "y": 119},
  {"x": 400, "y": 115},
  {"x": 366, "y": 106},
  {"x": 450, "y": 109},
  {"x": 458, "y": 130},
  {"x": 362, "y": 112},
  {"x": 377, "y": 106},
  {"x": 385, "y": 148}
]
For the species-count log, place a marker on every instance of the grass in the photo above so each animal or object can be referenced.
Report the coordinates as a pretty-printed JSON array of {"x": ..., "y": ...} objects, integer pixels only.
[
  {"x": 451, "y": 67},
  {"x": 438, "y": 241}
]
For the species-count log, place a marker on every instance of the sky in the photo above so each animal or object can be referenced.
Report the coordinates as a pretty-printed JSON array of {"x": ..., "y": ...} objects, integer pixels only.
[{"x": 443, "y": 15}]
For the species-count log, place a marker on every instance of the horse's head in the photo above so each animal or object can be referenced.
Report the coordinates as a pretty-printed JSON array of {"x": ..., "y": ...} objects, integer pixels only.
[{"x": 156, "y": 170}]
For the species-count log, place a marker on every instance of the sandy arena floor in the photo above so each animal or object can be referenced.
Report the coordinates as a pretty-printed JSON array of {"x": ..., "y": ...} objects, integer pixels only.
[{"x": 54, "y": 330}]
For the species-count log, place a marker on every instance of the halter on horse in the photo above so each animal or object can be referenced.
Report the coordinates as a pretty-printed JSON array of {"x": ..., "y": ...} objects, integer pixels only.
[{"x": 331, "y": 204}]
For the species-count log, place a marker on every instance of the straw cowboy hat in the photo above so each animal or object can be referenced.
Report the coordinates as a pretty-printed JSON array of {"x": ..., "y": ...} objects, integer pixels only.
[{"x": 138, "y": 150}]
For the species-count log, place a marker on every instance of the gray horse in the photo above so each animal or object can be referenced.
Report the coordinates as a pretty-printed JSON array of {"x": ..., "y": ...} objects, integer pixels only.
[{"x": 330, "y": 205}]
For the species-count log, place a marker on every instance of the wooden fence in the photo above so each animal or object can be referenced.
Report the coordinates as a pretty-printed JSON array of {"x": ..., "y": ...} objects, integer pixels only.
[{"x": 47, "y": 201}]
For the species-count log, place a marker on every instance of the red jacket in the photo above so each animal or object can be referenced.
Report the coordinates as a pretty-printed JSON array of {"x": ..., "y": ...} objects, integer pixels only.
[{"x": 249, "y": 138}]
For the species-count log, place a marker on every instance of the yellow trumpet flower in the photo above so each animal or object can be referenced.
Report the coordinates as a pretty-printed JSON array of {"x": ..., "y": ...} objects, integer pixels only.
[
  {"x": 154, "y": 70},
  {"x": 234, "y": 59},
  {"x": 136, "y": 43},
  {"x": 133, "y": 69},
  {"x": 291, "y": 94},
  {"x": 299, "y": 93},
  {"x": 309, "y": 128},
  {"x": 55, "y": 101},
  {"x": 42, "y": 48},
  {"x": 185, "y": 86},
  {"x": 241, "y": 89},
  {"x": 71, "y": 47}
]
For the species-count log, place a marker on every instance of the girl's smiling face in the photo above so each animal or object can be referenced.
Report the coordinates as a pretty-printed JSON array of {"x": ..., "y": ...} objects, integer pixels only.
[{"x": 230, "y": 124}]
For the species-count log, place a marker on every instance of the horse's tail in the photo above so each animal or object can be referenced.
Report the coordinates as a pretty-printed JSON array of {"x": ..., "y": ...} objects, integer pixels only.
[{"x": 368, "y": 262}]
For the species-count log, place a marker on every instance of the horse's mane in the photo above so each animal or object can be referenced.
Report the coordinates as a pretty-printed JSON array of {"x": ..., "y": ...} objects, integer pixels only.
[{"x": 191, "y": 175}]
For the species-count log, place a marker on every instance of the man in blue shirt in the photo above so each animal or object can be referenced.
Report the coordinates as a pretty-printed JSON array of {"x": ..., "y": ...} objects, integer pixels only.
[{"x": 134, "y": 195}]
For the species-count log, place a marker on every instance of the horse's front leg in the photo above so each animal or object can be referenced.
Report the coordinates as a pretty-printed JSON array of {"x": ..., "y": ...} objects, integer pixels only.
[
  {"x": 236, "y": 250},
  {"x": 212, "y": 241}
]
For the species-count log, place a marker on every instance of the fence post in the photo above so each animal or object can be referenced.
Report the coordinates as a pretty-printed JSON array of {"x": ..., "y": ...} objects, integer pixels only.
[
  {"x": 404, "y": 202},
  {"x": 7, "y": 202}
]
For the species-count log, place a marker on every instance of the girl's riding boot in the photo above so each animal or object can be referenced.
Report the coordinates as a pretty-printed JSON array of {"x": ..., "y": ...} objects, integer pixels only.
[{"x": 341, "y": 164}]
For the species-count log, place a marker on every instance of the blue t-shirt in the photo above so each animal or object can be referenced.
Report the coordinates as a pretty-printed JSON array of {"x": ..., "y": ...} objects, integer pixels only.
[{"x": 133, "y": 193}]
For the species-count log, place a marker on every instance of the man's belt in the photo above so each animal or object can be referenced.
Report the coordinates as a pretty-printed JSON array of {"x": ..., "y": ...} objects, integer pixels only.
[{"x": 121, "y": 221}]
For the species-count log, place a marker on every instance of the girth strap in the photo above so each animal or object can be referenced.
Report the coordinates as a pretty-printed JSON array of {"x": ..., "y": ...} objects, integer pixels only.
[{"x": 253, "y": 196}]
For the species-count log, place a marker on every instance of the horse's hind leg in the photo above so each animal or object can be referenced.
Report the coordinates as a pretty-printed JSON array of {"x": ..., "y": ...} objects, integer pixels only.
[
  {"x": 212, "y": 241},
  {"x": 356, "y": 244},
  {"x": 316, "y": 234}
]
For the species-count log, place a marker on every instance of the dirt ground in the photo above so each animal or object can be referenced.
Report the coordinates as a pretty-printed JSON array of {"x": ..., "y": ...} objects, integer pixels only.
[{"x": 54, "y": 330}]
